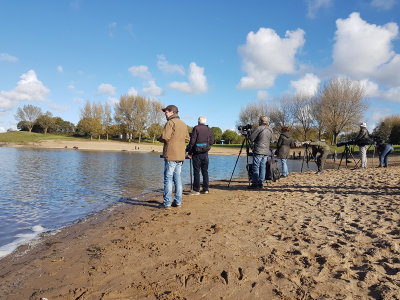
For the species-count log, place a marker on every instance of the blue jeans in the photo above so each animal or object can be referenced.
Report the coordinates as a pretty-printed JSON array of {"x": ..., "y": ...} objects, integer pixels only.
[
  {"x": 172, "y": 172},
  {"x": 285, "y": 170},
  {"x": 384, "y": 157},
  {"x": 259, "y": 167}
]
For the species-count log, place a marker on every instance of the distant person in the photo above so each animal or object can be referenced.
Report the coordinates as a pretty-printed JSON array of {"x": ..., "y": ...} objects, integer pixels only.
[
  {"x": 261, "y": 138},
  {"x": 320, "y": 151},
  {"x": 383, "y": 151},
  {"x": 363, "y": 140},
  {"x": 175, "y": 136},
  {"x": 199, "y": 145},
  {"x": 285, "y": 141}
]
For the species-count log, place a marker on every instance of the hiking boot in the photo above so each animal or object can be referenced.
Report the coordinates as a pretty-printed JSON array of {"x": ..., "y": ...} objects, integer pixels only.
[
  {"x": 205, "y": 191},
  {"x": 194, "y": 193},
  {"x": 252, "y": 187},
  {"x": 162, "y": 206}
]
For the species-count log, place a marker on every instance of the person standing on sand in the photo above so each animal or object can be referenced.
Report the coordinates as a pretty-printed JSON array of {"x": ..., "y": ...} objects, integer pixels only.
[
  {"x": 262, "y": 138},
  {"x": 363, "y": 140},
  {"x": 285, "y": 141},
  {"x": 175, "y": 136},
  {"x": 321, "y": 148},
  {"x": 199, "y": 145}
]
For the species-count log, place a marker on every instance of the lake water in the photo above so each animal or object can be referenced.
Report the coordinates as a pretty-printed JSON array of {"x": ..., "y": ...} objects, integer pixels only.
[{"x": 42, "y": 190}]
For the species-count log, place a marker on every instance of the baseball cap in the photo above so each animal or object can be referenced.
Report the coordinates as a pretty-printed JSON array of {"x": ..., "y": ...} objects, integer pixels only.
[{"x": 171, "y": 107}]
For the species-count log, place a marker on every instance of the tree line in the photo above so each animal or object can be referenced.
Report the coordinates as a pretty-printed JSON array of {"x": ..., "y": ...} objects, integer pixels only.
[{"x": 334, "y": 112}]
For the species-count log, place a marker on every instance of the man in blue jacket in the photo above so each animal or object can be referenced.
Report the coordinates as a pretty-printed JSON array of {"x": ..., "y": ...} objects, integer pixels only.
[{"x": 262, "y": 138}]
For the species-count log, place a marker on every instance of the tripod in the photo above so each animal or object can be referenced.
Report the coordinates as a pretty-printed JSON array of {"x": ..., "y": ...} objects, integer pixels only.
[
  {"x": 244, "y": 143},
  {"x": 306, "y": 157},
  {"x": 346, "y": 154}
]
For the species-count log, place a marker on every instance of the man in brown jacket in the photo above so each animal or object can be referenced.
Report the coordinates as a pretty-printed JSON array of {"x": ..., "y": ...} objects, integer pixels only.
[{"x": 175, "y": 136}]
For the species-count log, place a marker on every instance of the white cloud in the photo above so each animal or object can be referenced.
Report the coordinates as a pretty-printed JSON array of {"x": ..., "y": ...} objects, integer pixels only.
[
  {"x": 388, "y": 73},
  {"x": 306, "y": 86},
  {"x": 360, "y": 47},
  {"x": 7, "y": 57},
  {"x": 266, "y": 55},
  {"x": 113, "y": 100},
  {"x": 152, "y": 89},
  {"x": 383, "y": 4},
  {"x": 133, "y": 92},
  {"x": 262, "y": 95},
  {"x": 60, "y": 69},
  {"x": 393, "y": 94},
  {"x": 371, "y": 88},
  {"x": 140, "y": 71},
  {"x": 197, "y": 81},
  {"x": 105, "y": 89},
  {"x": 315, "y": 5},
  {"x": 2, "y": 129},
  {"x": 165, "y": 66},
  {"x": 29, "y": 88}
]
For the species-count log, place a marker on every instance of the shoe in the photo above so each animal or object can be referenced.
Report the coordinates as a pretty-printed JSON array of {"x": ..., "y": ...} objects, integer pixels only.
[
  {"x": 252, "y": 187},
  {"x": 318, "y": 172},
  {"x": 204, "y": 191},
  {"x": 162, "y": 206},
  {"x": 175, "y": 205},
  {"x": 380, "y": 166},
  {"x": 260, "y": 186},
  {"x": 194, "y": 193}
]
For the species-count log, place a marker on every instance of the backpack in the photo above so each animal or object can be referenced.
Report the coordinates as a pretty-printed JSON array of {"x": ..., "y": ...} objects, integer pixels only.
[{"x": 272, "y": 172}]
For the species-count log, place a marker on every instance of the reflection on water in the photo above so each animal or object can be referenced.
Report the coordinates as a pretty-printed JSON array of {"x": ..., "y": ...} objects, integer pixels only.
[{"x": 52, "y": 188}]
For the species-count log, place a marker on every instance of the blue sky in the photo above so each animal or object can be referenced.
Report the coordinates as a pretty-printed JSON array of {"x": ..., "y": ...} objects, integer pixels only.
[{"x": 207, "y": 57}]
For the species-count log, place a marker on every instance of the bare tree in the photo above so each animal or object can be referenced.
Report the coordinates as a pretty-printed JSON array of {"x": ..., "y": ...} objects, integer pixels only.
[
  {"x": 300, "y": 108},
  {"x": 28, "y": 114},
  {"x": 342, "y": 105},
  {"x": 107, "y": 119},
  {"x": 316, "y": 112},
  {"x": 156, "y": 116},
  {"x": 252, "y": 112},
  {"x": 281, "y": 115}
]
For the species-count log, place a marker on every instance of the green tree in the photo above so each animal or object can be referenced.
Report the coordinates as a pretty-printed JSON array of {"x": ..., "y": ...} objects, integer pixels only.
[
  {"x": 46, "y": 121},
  {"x": 155, "y": 131},
  {"x": 28, "y": 114},
  {"x": 229, "y": 136},
  {"x": 89, "y": 126},
  {"x": 217, "y": 133},
  {"x": 394, "y": 137}
]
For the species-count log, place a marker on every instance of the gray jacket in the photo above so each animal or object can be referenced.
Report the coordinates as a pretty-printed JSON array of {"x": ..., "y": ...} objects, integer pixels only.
[
  {"x": 262, "y": 138},
  {"x": 284, "y": 144}
]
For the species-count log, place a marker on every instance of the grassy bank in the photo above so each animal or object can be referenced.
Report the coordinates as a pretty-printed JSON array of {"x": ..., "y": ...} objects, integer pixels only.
[{"x": 24, "y": 137}]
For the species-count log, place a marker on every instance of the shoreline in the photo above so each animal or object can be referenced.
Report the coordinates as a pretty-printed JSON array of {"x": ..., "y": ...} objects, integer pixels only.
[{"x": 303, "y": 236}]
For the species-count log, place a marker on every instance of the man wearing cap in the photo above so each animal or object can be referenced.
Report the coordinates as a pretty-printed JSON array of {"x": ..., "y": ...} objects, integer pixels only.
[
  {"x": 175, "y": 136},
  {"x": 262, "y": 138},
  {"x": 363, "y": 140},
  {"x": 200, "y": 141}
]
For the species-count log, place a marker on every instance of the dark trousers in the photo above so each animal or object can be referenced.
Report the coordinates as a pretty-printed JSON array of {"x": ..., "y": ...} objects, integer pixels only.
[
  {"x": 321, "y": 159},
  {"x": 200, "y": 163}
]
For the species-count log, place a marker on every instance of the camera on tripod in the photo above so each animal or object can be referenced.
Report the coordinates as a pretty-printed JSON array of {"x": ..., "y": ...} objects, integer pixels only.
[
  {"x": 345, "y": 143},
  {"x": 245, "y": 129}
]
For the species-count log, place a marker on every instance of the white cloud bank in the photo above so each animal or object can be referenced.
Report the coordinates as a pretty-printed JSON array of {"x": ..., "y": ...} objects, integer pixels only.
[
  {"x": 383, "y": 4},
  {"x": 29, "y": 88},
  {"x": 197, "y": 81},
  {"x": 152, "y": 89},
  {"x": 141, "y": 72},
  {"x": 266, "y": 55},
  {"x": 105, "y": 89},
  {"x": 306, "y": 86}
]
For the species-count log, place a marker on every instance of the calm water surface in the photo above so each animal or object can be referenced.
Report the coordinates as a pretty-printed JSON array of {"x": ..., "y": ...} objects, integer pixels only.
[{"x": 42, "y": 190}]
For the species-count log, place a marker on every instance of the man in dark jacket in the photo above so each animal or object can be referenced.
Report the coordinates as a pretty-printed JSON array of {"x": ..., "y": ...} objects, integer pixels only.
[
  {"x": 283, "y": 149},
  {"x": 363, "y": 141},
  {"x": 383, "y": 151},
  {"x": 199, "y": 145},
  {"x": 262, "y": 138}
]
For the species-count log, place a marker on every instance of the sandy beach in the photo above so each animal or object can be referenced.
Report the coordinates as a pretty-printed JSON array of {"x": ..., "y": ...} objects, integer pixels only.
[{"x": 308, "y": 236}]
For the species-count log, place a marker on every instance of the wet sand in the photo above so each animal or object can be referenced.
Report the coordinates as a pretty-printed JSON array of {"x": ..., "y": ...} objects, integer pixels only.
[{"x": 308, "y": 236}]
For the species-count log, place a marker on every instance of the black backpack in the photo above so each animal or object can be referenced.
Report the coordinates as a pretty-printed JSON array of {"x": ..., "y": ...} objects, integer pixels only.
[{"x": 272, "y": 172}]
